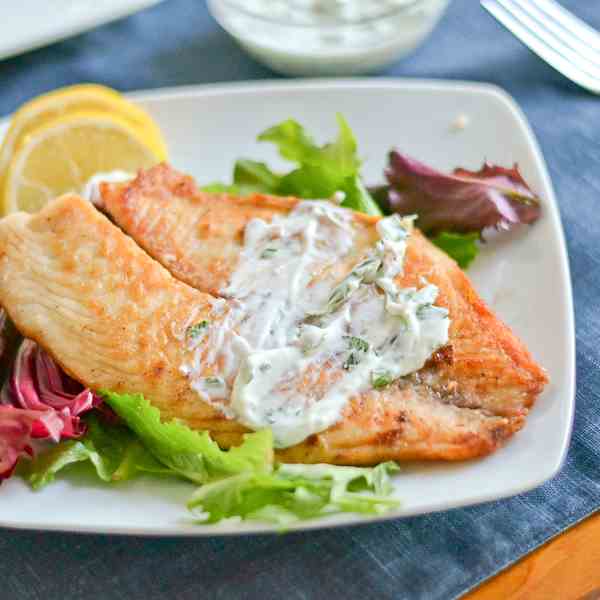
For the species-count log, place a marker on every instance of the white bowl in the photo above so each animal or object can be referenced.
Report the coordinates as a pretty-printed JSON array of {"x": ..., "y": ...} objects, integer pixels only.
[{"x": 291, "y": 42}]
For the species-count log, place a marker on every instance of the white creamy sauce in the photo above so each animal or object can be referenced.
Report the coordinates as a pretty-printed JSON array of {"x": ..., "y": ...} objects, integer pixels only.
[
  {"x": 91, "y": 189},
  {"x": 294, "y": 343},
  {"x": 318, "y": 12},
  {"x": 323, "y": 25}
]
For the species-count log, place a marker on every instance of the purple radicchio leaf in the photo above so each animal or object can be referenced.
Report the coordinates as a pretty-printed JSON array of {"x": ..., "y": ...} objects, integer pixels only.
[
  {"x": 15, "y": 437},
  {"x": 38, "y": 383},
  {"x": 39, "y": 401},
  {"x": 465, "y": 201}
]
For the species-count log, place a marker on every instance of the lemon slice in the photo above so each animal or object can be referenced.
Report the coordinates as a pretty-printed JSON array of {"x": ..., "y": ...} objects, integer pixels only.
[
  {"x": 61, "y": 155},
  {"x": 78, "y": 98}
]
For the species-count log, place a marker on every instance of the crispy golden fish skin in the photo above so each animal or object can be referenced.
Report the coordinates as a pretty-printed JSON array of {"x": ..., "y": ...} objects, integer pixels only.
[{"x": 113, "y": 318}]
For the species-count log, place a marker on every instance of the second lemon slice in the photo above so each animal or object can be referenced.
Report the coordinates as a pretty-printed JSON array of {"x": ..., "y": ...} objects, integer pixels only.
[
  {"x": 65, "y": 152},
  {"x": 87, "y": 97}
]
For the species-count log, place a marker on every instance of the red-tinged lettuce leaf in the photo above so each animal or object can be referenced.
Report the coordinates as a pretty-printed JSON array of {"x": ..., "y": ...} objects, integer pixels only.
[
  {"x": 37, "y": 383},
  {"x": 15, "y": 437},
  {"x": 463, "y": 202}
]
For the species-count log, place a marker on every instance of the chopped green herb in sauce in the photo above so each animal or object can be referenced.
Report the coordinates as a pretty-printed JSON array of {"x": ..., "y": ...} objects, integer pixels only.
[
  {"x": 352, "y": 360},
  {"x": 366, "y": 271},
  {"x": 356, "y": 343},
  {"x": 193, "y": 331},
  {"x": 360, "y": 346},
  {"x": 429, "y": 311},
  {"x": 381, "y": 379},
  {"x": 268, "y": 253}
]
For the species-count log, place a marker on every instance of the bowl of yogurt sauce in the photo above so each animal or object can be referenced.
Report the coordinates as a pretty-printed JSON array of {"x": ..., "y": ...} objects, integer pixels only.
[{"x": 328, "y": 37}]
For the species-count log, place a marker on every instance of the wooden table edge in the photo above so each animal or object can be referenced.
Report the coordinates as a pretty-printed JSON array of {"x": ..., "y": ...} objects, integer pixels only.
[{"x": 564, "y": 568}]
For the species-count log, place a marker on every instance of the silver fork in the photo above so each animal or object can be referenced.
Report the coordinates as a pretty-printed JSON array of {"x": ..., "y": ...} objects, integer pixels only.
[{"x": 556, "y": 35}]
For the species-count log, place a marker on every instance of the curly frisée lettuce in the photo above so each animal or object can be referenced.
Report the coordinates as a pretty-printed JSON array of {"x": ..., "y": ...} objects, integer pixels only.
[
  {"x": 320, "y": 171},
  {"x": 243, "y": 482},
  {"x": 296, "y": 492}
]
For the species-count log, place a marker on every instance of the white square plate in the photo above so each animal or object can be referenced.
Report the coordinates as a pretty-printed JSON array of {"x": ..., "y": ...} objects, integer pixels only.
[
  {"x": 29, "y": 24},
  {"x": 525, "y": 278}
]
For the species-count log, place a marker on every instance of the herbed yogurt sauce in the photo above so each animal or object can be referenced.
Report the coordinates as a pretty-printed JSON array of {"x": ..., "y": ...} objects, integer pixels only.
[
  {"x": 294, "y": 343},
  {"x": 91, "y": 189}
]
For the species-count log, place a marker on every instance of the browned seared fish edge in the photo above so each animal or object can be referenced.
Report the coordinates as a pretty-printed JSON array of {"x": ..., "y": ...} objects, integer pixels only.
[{"x": 106, "y": 311}]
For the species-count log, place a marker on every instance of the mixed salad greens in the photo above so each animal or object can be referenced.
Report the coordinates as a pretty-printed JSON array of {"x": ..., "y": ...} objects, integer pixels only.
[
  {"x": 121, "y": 436},
  {"x": 454, "y": 210},
  {"x": 50, "y": 418},
  {"x": 321, "y": 171}
]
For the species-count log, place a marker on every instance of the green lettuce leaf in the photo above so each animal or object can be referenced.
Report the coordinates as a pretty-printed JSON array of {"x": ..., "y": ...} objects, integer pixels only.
[
  {"x": 252, "y": 176},
  {"x": 115, "y": 453},
  {"x": 222, "y": 188},
  {"x": 296, "y": 492},
  {"x": 358, "y": 197},
  {"x": 242, "y": 482},
  {"x": 462, "y": 247},
  {"x": 249, "y": 177},
  {"x": 295, "y": 145},
  {"x": 320, "y": 171},
  {"x": 309, "y": 182},
  {"x": 192, "y": 454},
  {"x": 292, "y": 141},
  {"x": 43, "y": 469}
]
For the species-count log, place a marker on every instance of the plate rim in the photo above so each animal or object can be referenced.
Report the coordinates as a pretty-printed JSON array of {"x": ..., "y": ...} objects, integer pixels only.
[{"x": 433, "y": 85}]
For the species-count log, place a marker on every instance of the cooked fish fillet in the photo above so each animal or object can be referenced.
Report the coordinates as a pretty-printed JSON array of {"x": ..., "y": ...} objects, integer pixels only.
[
  {"x": 114, "y": 319},
  {"x": 197, "y": 236}
]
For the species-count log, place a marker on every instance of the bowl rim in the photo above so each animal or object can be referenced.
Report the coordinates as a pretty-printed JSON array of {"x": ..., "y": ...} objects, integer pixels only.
[{"x": 326, "y": 24}]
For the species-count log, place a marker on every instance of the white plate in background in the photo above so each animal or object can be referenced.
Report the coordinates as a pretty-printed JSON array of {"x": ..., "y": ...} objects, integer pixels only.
[
  {"x": 525, "y": 278},
  {"x": 29, "y": 24}
]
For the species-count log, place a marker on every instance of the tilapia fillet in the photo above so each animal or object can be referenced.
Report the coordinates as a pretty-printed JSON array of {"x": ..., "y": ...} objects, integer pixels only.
[{"x": 114, "y": 318}]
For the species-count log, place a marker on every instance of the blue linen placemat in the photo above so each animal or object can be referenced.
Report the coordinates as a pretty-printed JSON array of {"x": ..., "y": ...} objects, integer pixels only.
[{"x": 433, "y": 557}]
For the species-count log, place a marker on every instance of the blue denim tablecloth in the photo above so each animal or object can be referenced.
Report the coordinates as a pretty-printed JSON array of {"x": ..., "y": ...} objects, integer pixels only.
[{"x": 435, "y": 557}]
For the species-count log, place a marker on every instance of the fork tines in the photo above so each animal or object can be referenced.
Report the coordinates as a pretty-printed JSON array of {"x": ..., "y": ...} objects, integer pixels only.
[{"x": 564, "y": 41}]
